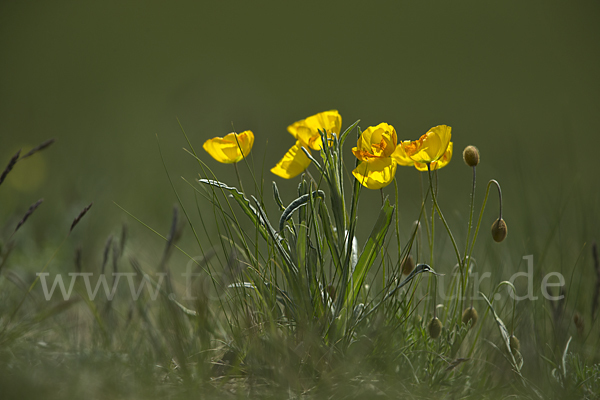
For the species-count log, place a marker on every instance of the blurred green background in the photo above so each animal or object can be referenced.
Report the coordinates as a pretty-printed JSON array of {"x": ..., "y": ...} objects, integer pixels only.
[{"x": 517, "y": 79}]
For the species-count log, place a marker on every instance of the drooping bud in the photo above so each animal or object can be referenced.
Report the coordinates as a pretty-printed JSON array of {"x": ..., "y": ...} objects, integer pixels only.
[
  {"x": 435, "y": 328},
  {"x": 499, "y": 230},
  {"x": 471, "y": 156},
  {"x": 470, "y": 314},
  {"x": 515, "y": 345},
  {"x": 408, "y": 265}
]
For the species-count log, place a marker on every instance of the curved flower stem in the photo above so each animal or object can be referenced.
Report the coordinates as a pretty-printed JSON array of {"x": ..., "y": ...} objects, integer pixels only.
[{"x": 487, "y": 193}]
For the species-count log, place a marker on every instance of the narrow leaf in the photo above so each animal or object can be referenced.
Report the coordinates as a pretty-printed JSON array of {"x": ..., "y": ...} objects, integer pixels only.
[
  {"x": 371, "y": 249},
  {"x": 296, "y": 204},
  {"x": 347, "y": 131}
]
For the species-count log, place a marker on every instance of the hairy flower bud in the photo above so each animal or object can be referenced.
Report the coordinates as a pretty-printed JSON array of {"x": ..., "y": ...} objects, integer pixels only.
[
  {"x": 515, "y": 345},
  {"x": 499, "y": 230},
  {"x": 435, "y": 328},
  {"x": 470, "y": 314},
  {"x": 471, "y": 156},
  {"x": 408, "y": 265}
]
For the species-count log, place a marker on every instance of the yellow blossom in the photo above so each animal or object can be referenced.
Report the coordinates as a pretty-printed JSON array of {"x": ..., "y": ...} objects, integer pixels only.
[
  {"x": 402, "y": 159},
  {"x": 306, "y": 133},
  {"x": 231, "y": 148},
  {"x": 374, "y": 149},
  {"x": 430, "y": 147},
  {"x": 434, "y": 148},
  {"x": 441, "y": 163}
]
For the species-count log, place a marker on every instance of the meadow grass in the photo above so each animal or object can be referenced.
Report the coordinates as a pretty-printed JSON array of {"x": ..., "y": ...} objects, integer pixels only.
[{"x": 281, "y": 299}]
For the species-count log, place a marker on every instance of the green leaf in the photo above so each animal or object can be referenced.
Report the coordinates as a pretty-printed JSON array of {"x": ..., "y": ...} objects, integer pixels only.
[
  {"x": 505, "y": 336},
  {"x": 242, "y": 201},
  {"x": 277, "y": 239},
  {"x": 277, "y": 197},
  {"x": 296, "y": 204},
  {"x": 326, "y": 224},
  {"x": 347, "y": 131},
  {"x": 370, "y": 250}
]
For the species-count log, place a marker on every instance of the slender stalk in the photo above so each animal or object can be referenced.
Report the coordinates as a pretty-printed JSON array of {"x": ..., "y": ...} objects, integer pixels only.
[
  {"x": 467, "y": 260},
  {"x": 472, "y": 210},
  {"x": 237, "y": 173},
  {"x": 437, "y": 208},
  {"x": 487, "y": 193}
]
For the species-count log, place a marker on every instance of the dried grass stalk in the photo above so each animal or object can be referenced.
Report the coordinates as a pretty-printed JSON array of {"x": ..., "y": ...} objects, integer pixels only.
[
  {"x": 81, "y": 215},
  {"x": 39, "y": 147},
  {"x": 32, "y": 208},
  {"x": 10, "y": 166}
]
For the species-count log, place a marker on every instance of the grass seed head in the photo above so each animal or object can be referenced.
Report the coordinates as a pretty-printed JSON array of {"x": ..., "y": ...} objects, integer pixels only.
[
  {"x": 471, "y": 156},
  {"x": 9, "y": 167},
  {"x": 435, "y": 328},
  {"x": 499, "y": 230},
  {"x": 470, "y": 314},
  {"x": 81, "y": 215}
]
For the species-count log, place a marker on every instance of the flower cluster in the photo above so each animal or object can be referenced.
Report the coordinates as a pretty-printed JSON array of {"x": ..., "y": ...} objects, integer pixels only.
[{"x": 377, "y": 149}]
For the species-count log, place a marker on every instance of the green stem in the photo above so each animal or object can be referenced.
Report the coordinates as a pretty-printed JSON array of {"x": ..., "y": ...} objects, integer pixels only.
[
  {"x": 437, "y": 208},
  {"x": 467, "y": 261},
  {"x": 237, "y": 173},
  {"x": 472, "y": 210},
  {"x": 487, "y": 193}
]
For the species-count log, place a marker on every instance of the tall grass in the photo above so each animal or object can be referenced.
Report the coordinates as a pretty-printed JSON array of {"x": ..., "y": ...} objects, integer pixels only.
[{"x": 283, "y": 300}]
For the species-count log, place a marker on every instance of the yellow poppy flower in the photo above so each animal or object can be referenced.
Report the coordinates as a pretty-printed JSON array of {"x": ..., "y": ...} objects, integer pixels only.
[
  {"x": 292, "y": 163},
  {"x": 306, "y": 133},
  {"x": 231, "y": 148},
  {"x": 403, "y": 159},
  {"x": 430, "y": 147},
  {"x": 374, "y": 149},
  {"x": 441, "y": 163}
]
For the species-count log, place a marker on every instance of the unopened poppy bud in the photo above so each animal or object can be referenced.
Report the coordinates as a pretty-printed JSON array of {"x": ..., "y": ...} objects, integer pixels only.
[
  {"x": 408, "y": 265},
  {"x": 515, "y": 345},
  {"x": 470, "y": 314},
  {"x": 471, "y": 156},
  {"x": 499, "y": 230},
  {"x": 435, "y": 328}
]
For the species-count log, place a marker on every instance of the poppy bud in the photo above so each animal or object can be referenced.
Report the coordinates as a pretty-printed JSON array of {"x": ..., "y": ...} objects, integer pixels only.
[
  {"x": 435, "y": 328},
  {"x": 471, "y": 156},
  {"x": 408, "y": 265},
  {"x": 499, "y": 230},
  {"x": 515, "y": 345},
  {"x": 470, "y": 314}
]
